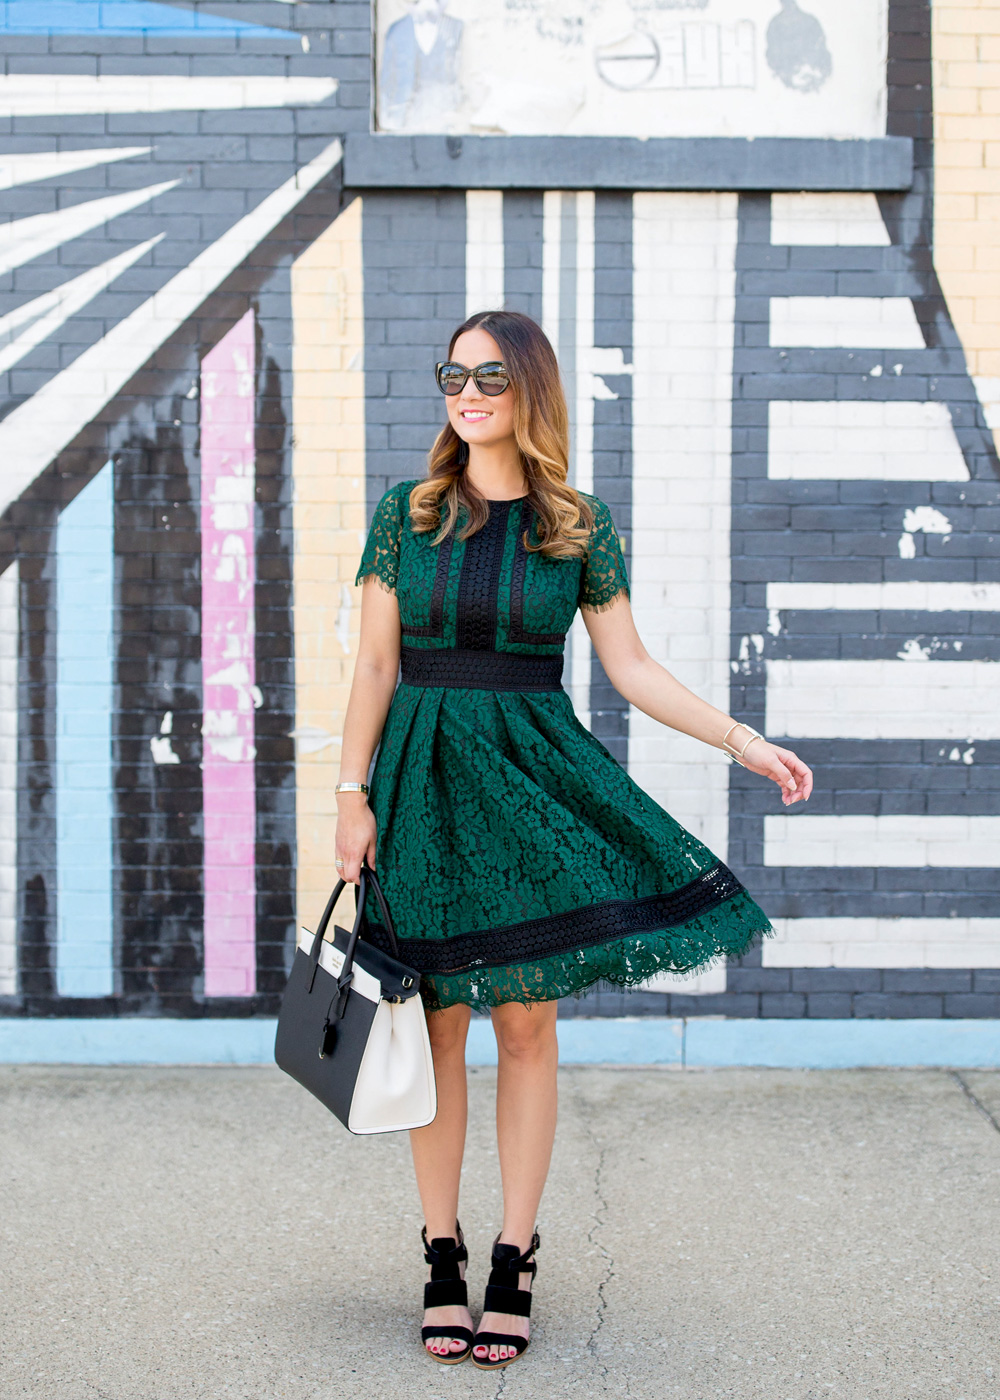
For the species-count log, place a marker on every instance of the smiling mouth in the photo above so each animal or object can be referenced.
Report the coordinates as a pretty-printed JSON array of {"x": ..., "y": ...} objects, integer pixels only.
[{"x": 474, "y": 415}]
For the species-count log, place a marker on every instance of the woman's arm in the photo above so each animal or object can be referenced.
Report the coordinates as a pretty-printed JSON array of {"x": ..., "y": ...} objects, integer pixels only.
[
  {"x": 651, "y": 688},
  {"x": 372, "y": 689}
]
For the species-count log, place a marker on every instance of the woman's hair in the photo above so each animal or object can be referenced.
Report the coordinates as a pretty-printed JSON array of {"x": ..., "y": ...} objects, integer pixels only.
[{"x": 541, "y": 429}]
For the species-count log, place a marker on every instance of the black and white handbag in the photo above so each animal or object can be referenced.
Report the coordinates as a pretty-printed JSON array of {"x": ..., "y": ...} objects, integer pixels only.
[{"x": 352, "y": 1028}]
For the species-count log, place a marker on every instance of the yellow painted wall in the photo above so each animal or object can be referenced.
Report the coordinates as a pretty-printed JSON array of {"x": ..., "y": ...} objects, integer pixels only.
[
  {"x": 328, "y": 466},
  {"x": 966, "y": 51}
]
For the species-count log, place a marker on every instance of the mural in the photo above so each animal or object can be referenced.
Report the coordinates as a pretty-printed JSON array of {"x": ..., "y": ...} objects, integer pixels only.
[
  {"x": 638, "y": 68},
  {"x": 214, "y": 359}
]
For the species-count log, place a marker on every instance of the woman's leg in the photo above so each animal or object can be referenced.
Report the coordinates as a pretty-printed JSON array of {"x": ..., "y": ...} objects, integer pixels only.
[
  {"x": 437, "y": 1153},
  {"x": 526, "y": 1126}
]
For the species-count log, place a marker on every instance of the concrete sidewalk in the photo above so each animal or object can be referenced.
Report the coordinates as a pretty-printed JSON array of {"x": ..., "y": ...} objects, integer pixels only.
[{"x": 778, "y": 1234}]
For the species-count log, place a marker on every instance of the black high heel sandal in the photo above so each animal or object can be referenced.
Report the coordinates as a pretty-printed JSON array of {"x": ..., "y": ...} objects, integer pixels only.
[
  {"x": 503, "y": 1295},
  {"x": 446, "y": 1289}
]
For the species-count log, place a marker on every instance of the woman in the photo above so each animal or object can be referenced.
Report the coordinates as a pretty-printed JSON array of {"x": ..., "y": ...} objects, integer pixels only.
[{"x": 518, "y": 859}]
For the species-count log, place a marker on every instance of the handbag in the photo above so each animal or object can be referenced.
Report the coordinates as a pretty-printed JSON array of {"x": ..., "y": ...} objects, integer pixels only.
[{"x": 352, "y": 1028}]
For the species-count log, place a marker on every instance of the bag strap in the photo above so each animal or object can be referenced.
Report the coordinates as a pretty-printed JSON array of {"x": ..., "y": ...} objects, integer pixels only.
[
  {"x": 383, "y": 907},
  {"x": 367, "y": 880}
]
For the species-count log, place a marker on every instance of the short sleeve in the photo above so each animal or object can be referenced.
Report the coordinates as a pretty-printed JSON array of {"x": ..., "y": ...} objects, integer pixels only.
[
  {"x": 380, "y": 559},
  {"x": 604, "y": 574}
]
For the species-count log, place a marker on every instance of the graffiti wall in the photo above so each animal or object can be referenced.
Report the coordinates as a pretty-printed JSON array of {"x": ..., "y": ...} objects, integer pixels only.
[
  {"x": 215, "y": 358},
  {"x": 632, "y": 67}
]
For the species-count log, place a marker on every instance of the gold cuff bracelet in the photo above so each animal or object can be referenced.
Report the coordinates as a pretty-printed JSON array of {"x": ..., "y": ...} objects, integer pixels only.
[{"x": 736, "y": 755}]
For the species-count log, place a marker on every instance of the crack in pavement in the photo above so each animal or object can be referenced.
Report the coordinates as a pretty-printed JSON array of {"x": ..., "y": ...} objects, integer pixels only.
[
  {"x": 500, "y": 1387},
  {"x": 599, "y": 1218},
  {"x": 598, "y": 1224},
  {"x": 976, "y": 1103},
  {"x": 609, "y": 1272}
]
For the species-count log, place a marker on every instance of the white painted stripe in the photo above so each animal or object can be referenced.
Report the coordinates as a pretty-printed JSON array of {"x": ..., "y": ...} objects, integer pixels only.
[
  {"x": 914, "y": 842},
  {"x": 47, "y": 313},
  {"x": 684, "y": 297},
  {"x": 63, "y": 94},
  {"x": 846, "y": 217},
  {"x": 23, "y": 167},
  {"x": 874, "y": 942},
  {"x": 850, "y": 440},
  {"x": 884, "y": 699},
  {"x": 879, "y": 323},
  {"x": 702, "y": 984},
  {"x": 988, "y": 390},
  {"x": 25, "y": 239},
  {"x": 9, "y": 632},
  {"x": 484, "y": 260},
  {"x": 583, "y": 445},
  {"x": 909, "y": 595},
  {"x": 37, "y": 430},
  {"x": 551, "y": 263}
]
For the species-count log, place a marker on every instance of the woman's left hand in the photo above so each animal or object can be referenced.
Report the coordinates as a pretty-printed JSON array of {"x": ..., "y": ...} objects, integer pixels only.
[{"x": 782, "y": 767}]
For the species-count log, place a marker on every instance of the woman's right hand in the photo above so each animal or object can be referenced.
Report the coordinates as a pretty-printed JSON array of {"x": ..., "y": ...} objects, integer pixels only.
[{"x": 355, "y": 835}]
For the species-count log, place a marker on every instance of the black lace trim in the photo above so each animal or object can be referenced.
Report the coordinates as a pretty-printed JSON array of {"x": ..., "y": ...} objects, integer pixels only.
[
  {"x": 577, "y": 928},
  {"x": 435, "y": 624},
  {"x": 480, "y": 670},
  {"x": 517, "y": 576},
  {"x": 479, "y": 583}
]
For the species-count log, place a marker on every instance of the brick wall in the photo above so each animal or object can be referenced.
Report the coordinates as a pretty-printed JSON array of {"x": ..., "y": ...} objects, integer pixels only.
[
  {"x": 967, "y": 182},
  {"x": 783, "y": 397}
]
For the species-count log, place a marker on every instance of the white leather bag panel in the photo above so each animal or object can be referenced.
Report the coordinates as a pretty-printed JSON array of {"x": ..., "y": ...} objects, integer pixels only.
[
  {"x": 331, "y": 959},
  {"x": 395, "y": 1088}
]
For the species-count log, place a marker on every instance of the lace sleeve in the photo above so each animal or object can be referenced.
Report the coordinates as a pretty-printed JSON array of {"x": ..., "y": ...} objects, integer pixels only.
[
  {"x": 604, "y": 575},
  {"x": 380, "y": 559}
]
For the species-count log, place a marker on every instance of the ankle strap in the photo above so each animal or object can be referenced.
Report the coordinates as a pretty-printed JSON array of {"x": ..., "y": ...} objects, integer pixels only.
[
  {"x": 444, "y": 1254},
  {"x": 507, "y": 1260}
]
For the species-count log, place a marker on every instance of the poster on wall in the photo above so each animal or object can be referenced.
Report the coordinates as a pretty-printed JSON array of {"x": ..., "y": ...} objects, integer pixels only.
[{"x": 632, "y": 67}]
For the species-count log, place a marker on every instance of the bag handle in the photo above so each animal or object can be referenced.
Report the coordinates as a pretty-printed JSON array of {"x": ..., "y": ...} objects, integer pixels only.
[{"x": 368, "y": 880}]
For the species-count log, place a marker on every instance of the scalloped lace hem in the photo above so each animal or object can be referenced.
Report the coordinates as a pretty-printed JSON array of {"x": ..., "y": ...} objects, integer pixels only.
[
  {"x": 377, "y": 577},
  {"x": 627, "y": 962},
  {"x": 608, "y": 603}
]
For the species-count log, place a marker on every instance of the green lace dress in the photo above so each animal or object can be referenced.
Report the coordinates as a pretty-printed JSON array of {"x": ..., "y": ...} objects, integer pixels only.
[{"x": 519, "y": 860}]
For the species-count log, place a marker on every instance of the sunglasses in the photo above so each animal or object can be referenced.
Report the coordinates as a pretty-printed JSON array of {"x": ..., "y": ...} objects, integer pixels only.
[{"x": 490, "y": 378}]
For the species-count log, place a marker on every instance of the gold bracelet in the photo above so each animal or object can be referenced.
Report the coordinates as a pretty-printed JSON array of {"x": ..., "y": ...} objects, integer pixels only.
[
  {"x": 352, "y": 787},
  {"x": 730, "y": 749}
]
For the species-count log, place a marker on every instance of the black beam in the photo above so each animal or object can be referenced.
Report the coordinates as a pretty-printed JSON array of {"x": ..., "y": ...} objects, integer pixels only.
[{"x": 612, "y": 162}]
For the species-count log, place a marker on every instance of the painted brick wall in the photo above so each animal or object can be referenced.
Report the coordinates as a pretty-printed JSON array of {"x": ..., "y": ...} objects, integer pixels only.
[{"x": 215, "y": 359}]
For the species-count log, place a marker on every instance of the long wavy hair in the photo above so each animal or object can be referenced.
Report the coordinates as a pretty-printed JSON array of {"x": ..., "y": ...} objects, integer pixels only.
[{"x": 541, "y": 430}]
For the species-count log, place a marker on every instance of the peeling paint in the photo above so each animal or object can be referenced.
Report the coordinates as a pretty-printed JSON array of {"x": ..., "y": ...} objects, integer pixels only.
[
  {"x": 161, "y": 745},
  {"x": 925, "y": 520},
  {"x": 751, "y": 649},
  {"x": 342, "y": 626}
]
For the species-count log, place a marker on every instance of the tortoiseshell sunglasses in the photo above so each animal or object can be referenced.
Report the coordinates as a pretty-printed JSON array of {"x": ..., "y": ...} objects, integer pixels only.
[{"x": 490, "y": 377}]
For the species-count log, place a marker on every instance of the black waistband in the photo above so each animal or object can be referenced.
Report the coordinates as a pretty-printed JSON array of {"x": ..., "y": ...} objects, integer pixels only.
[{"x": 480, "y": 670}]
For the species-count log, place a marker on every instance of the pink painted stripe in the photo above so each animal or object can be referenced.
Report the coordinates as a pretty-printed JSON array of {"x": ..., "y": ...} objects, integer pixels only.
[{"x": 227, "y": 662}]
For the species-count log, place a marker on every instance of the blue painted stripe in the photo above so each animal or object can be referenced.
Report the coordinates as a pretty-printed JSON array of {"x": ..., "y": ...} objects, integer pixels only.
[
  {"x": 598, "y": 1041},
  {"x": 84, "y": 703},
  {"x": 136, "y": 1040},
  {"x": 789, "y": 1044},
  {"x": 808, "y": 1044},
  {"x": 123, "y": 17}
]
